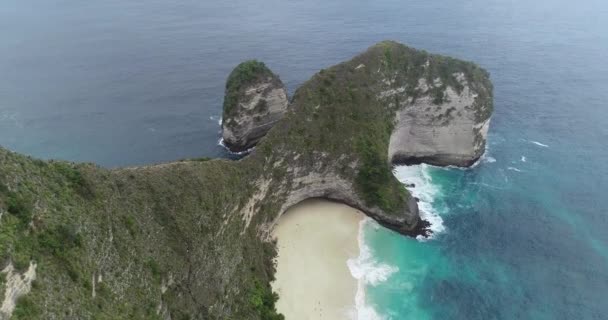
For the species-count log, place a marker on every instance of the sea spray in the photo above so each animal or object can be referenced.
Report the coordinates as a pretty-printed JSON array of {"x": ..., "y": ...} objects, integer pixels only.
[
  {"x": 419, "y": 183},
  {"x": 368, "y": 272},
  {"x": 239, "y": 153},
  {"x": 540, "y": 144},
  {"x": 366, "y": 268},
  {"x": 371, "y": 268},
  {"x": 218, "y": 119}
]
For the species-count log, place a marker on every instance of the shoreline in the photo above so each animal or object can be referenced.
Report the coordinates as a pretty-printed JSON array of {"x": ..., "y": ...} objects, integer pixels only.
[{"x": 316, "y": 240}]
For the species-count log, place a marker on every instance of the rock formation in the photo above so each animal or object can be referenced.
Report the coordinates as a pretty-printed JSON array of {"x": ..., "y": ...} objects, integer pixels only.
[
  {"x": 254, "y": 101},
  {"x": 447, "y": 124},
  {"x": 190, "y": 239}
]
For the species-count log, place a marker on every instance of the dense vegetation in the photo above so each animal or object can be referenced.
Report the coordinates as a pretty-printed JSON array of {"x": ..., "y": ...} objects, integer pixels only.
[
  {"x": 125, "y": 234},
  {"x": 339, "y": 112},
  {"x": 190, "y": 238}
]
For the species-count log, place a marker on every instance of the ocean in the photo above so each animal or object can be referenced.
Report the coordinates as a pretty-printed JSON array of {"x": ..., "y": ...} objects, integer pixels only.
[{"x": 522, "y": 235}]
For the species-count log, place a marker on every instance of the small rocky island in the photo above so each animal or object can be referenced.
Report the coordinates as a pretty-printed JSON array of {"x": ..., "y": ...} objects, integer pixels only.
[
  {"x": 255, "y": 100},
  {"x": 191, "y": 239}
]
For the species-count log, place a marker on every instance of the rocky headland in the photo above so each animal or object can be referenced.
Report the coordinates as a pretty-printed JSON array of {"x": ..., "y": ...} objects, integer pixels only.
[{"x": 192, "y": 239}]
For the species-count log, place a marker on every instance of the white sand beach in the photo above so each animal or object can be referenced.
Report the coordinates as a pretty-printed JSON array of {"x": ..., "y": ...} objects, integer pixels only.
[{"x": 315, "y": 240}]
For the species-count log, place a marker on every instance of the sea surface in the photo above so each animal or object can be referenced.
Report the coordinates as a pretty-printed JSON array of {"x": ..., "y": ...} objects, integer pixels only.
[{"x": 522, "y": 235}]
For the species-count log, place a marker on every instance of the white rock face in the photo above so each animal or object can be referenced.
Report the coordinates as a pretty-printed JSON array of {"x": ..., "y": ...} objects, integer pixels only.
[
  {"x": 258, "y": 109},
  {"x": 17, "y": 285},
  {"x": 331, "y": 186},
  {"x": 448, "y": 133},
  {"x": 307, "y": 179}
]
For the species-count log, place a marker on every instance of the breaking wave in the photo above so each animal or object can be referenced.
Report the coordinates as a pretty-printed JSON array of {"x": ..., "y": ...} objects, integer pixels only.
[
  {"x": 367, "y": 271},
  {"x": 222, "y": 144},
  {"x": 419, "y": 183}
]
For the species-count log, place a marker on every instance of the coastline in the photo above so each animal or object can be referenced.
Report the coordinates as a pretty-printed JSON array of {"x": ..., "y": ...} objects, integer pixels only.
[
  {"x": 316, "y": 240},
  {"x": 324, "y": 244}
]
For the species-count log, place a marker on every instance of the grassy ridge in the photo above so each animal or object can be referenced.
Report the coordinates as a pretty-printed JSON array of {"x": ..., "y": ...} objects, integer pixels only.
[{"x": 138, "y": 230}]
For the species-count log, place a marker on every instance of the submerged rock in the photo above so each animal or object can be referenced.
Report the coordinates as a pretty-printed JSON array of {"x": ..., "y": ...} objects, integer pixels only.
[{"x": 254, "y": 101}]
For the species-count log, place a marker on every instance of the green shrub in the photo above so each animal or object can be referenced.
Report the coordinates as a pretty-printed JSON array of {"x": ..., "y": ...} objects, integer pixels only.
[
  {"x": 129, "y": 222},
  {"x": 75, "y": 178},
  {"x": 59, "y": 240},
  {"x": 263, "y": 301},
  {"x": 25, "y": 309},
  {"x": 374, "y": 175},
  {"x": 154, "y": 269},
  {"x": 20, "y": 206}
]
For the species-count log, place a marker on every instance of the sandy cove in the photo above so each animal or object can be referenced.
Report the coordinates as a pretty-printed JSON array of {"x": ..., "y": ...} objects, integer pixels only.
[{"x": 315, "y": 239}]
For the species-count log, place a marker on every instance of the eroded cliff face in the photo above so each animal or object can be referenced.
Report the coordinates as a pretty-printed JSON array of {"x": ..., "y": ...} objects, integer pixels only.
[
  {"x": 255, "y": 100},
  {"x": 328, "y": 185},
  {"x": 190, "y": 239},
  {"x": 445, "y": 128},
  {"x": 17, "y": 285},
  {"x": 297, "y": 177}
]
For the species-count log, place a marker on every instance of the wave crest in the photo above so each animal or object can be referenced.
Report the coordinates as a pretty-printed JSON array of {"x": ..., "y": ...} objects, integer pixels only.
[
  {"x": 367, "y": 271},
  {"x": 419, "y": 183},
  {"x": 539, "y": 144}
]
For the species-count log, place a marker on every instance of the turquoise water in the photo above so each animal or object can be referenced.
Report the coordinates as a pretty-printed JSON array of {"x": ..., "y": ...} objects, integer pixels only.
[
  {"x": 509, "y": 244},
  {"x": 124, "y": 82}
]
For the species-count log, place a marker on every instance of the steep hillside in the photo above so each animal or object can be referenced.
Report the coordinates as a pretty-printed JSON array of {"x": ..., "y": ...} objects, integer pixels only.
[{"x": 190, "y": 239}]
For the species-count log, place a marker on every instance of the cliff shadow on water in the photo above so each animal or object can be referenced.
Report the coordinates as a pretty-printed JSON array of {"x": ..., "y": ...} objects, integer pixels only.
[{"x": 191, "y": 239}]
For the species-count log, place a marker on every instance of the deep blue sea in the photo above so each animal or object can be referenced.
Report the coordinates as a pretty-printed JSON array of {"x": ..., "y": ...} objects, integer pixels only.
[{"x": 522, "y": 235}]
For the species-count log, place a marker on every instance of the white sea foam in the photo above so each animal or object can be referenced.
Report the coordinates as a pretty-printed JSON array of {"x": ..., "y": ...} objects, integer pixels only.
[
  {"x": 539, "y": 144},
  {"x": 485, "y": 157},
  {"x": 216, "y": 118},
  {"x": 367, "y": 271},
  {"x": 513, "y": 169},
  {"x": 365, "y": 268},
  {"x": 221, "y": 143},
  {"x": 523, "y": 158},
  {"x": 423, "y": 189}
]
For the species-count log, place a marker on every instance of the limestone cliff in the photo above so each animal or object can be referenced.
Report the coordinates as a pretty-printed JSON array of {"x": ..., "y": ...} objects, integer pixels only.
[
  {"x": 254, "y": 101},
  {"x": 190, "y": 239},
  {"x": 441, "y": 123}
]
